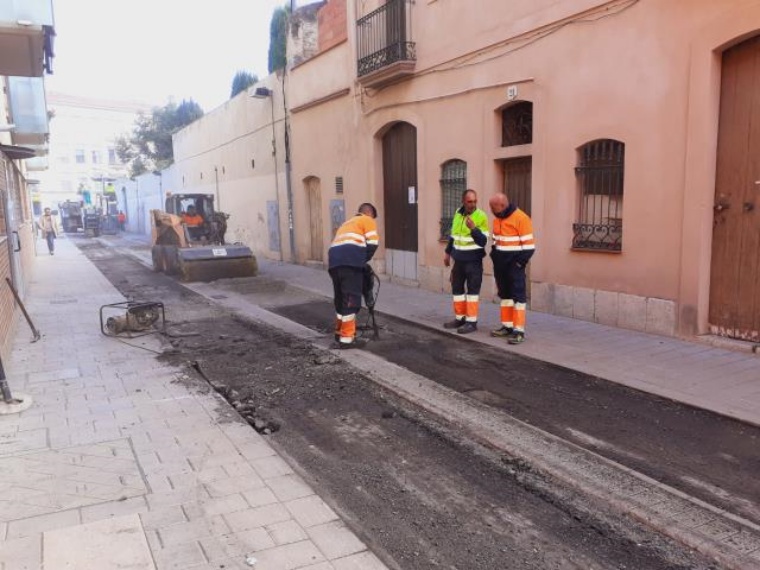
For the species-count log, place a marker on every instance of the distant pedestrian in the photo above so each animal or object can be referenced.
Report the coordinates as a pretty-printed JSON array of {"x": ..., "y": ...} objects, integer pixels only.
[
  {"x": 354, "y": 245},
  {"x": 122, "y": 218},
  {"x": 48, "y": 226},
  {"x": 466, "y": 246},
  {"x": 513, "y": 246}
]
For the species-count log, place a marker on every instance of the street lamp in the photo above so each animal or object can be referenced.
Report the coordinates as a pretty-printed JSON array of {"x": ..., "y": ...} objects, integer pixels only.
[{"x": 266, "y": 93}]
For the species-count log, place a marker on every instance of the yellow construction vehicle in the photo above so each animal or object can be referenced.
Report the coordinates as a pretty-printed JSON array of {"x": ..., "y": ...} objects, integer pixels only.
[{"x": 188, "y": 241}]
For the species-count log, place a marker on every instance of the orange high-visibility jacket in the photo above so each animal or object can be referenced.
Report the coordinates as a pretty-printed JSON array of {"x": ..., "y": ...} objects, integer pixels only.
[
  {"x": 513, "y": 236},
  {"x": 195, "y": 220},
  {"x": 355, "y": 242}
]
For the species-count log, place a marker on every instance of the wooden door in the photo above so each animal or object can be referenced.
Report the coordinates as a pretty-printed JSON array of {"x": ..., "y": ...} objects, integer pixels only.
[
  {"x": 735, "y": 271},
  {"x": 314, "y": 199},
  {"x": 400, "y": 185},
  {"x": 518, "y": 173}
]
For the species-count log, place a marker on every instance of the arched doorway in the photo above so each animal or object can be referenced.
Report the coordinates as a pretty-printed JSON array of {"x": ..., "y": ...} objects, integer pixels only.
[
  {"x": 735, "y": 271},
  {"x": 400, "y": 200},
  {"x": 313, "y": 188}
]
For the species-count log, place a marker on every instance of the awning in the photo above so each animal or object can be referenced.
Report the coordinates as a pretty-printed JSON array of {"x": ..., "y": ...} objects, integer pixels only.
[{"x": 17, "y": 152}]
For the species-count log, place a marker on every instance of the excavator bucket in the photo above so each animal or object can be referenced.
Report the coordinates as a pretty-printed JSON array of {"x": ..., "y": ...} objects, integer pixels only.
[{"x": 215, "y": 262}]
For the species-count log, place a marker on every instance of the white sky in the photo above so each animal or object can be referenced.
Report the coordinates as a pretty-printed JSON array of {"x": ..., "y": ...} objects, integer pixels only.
[{"x": 153, "y": 50}]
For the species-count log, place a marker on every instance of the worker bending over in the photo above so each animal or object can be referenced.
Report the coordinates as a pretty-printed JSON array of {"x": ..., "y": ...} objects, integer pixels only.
[{"x": 354, "y": 245}]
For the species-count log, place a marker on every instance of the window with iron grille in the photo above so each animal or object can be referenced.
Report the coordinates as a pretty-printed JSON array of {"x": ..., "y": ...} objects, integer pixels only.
[
  {"x": 600, "y": 173},
  {"x": 517, "y": 124},
  {"x": 453, "y": 184}
]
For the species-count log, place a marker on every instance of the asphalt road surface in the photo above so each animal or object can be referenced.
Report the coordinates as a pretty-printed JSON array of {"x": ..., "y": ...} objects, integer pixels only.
[
  {"x": 418, "y": 493},
  {"x": 701, "y": 453}
]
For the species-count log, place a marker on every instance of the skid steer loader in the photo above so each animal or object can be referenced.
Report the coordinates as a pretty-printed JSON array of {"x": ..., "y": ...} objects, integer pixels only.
[{"x": 196, "y": 251}]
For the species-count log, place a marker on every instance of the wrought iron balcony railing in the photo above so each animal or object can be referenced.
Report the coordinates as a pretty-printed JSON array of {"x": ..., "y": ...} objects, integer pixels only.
[{"x": 384, "y": 38}]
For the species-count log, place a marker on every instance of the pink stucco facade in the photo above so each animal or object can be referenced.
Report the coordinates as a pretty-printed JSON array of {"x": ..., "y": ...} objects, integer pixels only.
[{"x": 646, "y": 73}]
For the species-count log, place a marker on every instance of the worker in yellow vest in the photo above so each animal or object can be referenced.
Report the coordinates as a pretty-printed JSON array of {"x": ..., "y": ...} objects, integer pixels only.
[{"x": 466, "y": 246}]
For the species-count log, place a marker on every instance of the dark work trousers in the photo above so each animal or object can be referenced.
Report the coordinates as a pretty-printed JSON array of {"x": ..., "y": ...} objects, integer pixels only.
[
  {"x": 347, "y": 289},
  {"x": 510, "y": 281},
  {"x": 50, "y": 238},
  {"x": 467, "y": 277}
]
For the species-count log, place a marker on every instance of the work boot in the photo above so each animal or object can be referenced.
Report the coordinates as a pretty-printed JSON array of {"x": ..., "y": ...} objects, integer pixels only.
[
  {"x": 455, "y": 324},
  {"x": 517, "y": 337},
  {"x": 502, "y": 332},
  {"x": 468, "y": 328},
  {"x": 356, "y": 343}
]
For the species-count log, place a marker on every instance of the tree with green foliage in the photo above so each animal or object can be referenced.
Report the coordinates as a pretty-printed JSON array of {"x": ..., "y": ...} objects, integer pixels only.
[
  {"x": 278, "y": 39},
  {"x": 242, "y": 81},
  {"x": 149, "y": 147}
]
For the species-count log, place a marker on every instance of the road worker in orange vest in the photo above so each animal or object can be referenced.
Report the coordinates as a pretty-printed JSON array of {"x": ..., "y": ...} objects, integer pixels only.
[
  {"x": 354, "y": 245},
  {"x": 513, "y": 246},
  {"x": 192, "y": 218}
]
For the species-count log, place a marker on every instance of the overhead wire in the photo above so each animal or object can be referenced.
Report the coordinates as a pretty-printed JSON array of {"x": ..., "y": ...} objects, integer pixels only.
[{"x": 614, "y": 8}]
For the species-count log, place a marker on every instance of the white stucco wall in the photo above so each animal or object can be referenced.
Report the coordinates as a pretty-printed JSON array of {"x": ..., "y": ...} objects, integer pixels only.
[{"x": 229, "y": 153}]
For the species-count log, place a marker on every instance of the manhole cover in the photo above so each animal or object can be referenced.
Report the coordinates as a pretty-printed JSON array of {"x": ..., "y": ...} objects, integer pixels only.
[{"x": 218, "y": 296}]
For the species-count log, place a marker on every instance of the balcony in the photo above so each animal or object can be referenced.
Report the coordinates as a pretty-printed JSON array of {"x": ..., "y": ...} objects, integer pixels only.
[
  {"x": 384, "y": 47},
  {"x": 26, "y": 37},
  {"x": 37, "y": 164},
  {"x": 27, "y": 109}
]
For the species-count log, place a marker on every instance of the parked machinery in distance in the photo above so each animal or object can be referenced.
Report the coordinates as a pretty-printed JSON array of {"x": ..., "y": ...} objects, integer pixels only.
[
  {"x": 71, "y": 216},
  {"x": 109, "y": 222},
  {"x": 196, "y": 252},
  {"x": 91, "y": 221}
]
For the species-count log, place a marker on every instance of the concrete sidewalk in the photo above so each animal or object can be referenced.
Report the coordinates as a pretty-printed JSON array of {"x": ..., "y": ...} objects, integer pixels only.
[
  {"x": 721, "y": 380},
  {"x": 123, "y": 461}
]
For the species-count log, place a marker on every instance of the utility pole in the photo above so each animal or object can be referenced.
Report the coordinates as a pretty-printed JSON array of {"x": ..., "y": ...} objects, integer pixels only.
[
  {"x": 216, "y": 187},
  {"x": 288, "y": 182}
]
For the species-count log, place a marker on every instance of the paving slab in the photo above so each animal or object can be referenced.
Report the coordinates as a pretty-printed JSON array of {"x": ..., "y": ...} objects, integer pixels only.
[
  {"x": 110, "y": 544},
  {"x": 121, "y": 461}
]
